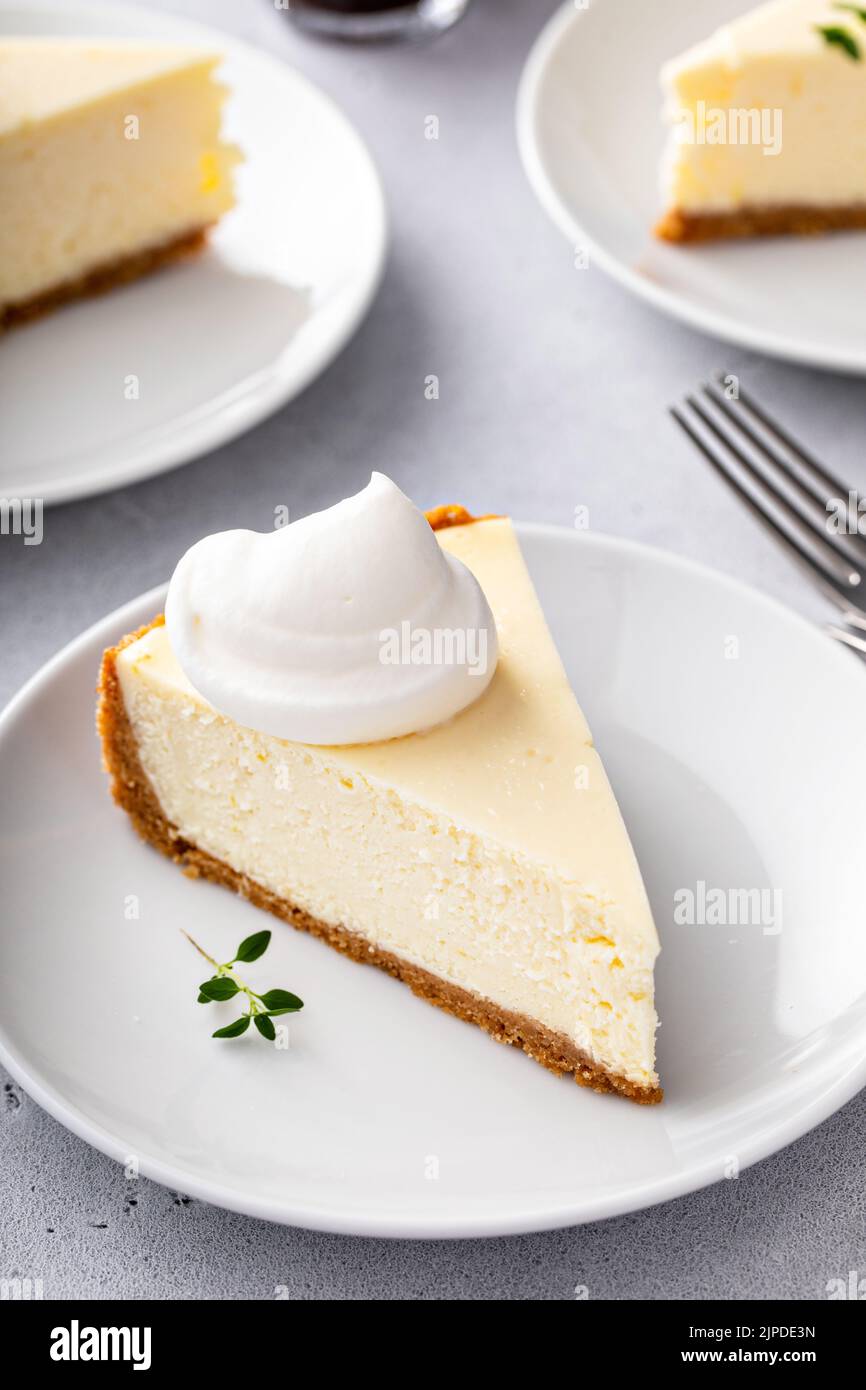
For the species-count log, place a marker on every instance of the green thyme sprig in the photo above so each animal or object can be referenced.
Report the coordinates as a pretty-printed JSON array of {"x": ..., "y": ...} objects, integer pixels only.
[
  {"x": 843, "y": 38},
  {"x": 833, "y": 34},
  {"x": 226, "y": 983}
]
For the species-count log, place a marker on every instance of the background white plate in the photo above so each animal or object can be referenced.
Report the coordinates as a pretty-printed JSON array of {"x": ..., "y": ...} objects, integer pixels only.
[
  {"x": 744, "y": 773},
  {"x": 225, "y": 339},
  {"x": 590, "y": 135}
]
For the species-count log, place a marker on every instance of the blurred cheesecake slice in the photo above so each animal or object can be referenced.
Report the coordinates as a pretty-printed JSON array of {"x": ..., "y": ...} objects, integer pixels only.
[
  {"x": 111, "y": 164},
  {"x": 767, "y": 125}
]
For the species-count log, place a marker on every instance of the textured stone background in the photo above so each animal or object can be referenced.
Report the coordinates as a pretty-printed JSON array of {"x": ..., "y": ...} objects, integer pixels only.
[{"x": 553, "y": 393}]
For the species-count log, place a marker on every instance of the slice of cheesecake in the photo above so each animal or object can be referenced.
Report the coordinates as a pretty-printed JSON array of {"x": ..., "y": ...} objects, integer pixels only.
[
  {"x": 111, "y": 164},
  {"x": 768, "y": 125},
  {"x": 484, "y": 862}
]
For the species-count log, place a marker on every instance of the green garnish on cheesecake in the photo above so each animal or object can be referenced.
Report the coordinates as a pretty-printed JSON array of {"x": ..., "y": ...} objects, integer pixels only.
[{"x": 833, "y": 34}]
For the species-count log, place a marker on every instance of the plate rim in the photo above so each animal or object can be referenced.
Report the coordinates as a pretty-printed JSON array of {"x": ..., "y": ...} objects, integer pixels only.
[
  {"x": 707, "y": 321},
  {"x": 228, "y": 418},
  {"x": 801, "y": 1116}
]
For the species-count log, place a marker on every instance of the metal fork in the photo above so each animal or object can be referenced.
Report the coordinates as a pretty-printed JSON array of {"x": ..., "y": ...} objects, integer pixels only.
[{"x": 814, "y": 515}]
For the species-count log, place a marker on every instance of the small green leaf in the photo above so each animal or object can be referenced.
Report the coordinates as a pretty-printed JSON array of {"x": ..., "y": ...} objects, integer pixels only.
[
  {"x": 853, "y": 9},
  {"x": 223, "y": 986},
  {"x": 253, "y": 946},
  {"x": 281, "y": 1001},
  {"x": 233, "y": 1030},
  {"x": 834, "y": 35},
  {"x": 219, "y": 988}
]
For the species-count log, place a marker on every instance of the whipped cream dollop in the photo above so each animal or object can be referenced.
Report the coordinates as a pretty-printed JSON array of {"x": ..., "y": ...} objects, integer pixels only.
[{"x": 348, "y": 626}]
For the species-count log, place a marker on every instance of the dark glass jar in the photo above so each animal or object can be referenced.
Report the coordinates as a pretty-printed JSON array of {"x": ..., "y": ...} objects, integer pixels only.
[{"x": 360, "y": 21}]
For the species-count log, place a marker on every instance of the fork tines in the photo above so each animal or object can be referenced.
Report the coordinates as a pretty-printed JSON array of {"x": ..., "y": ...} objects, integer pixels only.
[{"x": 814, "y": 514}]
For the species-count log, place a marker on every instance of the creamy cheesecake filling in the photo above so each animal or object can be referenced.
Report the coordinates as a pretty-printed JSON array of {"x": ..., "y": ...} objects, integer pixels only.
[
  {"x": 105, "y": 152},
  {"x": 485, "y": 855},
  {"x": 308, "y": 826},
  {"x": 767, "y": 114}
]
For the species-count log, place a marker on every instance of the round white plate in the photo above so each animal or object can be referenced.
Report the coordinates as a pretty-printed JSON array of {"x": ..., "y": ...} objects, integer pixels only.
[
  {"x": 734, "y": 735},
  {"x": 590, "y": 135},
  {"x": 215, "y": 344}
]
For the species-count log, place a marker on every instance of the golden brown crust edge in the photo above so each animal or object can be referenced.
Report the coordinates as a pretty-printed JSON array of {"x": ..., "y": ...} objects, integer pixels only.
[
  {"x": 105, "y": 278},
  {"x": 132, "y": 791},
  {"x": 791, "y": 219},
  {"x": 452, "y": 514}
]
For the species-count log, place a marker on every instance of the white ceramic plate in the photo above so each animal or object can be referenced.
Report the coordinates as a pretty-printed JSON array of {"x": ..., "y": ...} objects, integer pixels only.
[
  {"x": 590, "y": 135},
  {"x": 743, "y": 772},
  {"x": 221, "y": 341}
]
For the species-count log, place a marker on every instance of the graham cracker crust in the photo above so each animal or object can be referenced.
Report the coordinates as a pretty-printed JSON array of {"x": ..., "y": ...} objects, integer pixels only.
[
  {"x": 104, "y": 278},
  {"x": 791, "y": 219},
  {"x": 132, "y": 791},
  {"x": 452, "y": 514}
]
